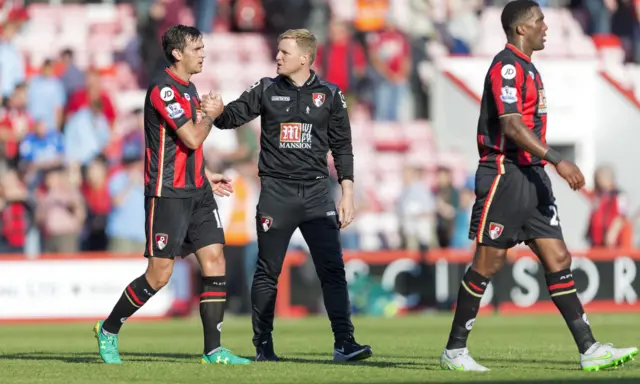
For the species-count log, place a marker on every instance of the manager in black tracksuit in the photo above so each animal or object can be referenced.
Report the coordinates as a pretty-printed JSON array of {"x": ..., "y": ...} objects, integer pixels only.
[{"x": 302, "y": 117}]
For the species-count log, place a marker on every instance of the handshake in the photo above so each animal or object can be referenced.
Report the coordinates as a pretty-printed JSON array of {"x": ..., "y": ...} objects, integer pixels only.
[{"x": 212, "y": 105}]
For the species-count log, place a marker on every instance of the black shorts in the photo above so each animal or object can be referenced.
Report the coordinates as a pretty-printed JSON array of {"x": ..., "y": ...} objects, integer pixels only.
[
  {"x": 513, "y": 206},
  {"x": 179, "y": 227},
  {"x": 285, "y": 204}
]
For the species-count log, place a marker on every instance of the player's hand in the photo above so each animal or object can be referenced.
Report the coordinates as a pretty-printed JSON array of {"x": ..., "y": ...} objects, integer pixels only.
[
  {"x": 220, "y": 184},
  {"x": 217, "y": 105},
  {"x": 571, "y": 173},
  {"x": 346, "y": 211},
  {"x": 208, "y": 106}
]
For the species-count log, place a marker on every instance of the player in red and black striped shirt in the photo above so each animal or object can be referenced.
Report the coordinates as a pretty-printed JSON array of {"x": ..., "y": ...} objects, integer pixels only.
[
  {"x": 182, "y": 215},
  {"x": 514, "y": 198}
]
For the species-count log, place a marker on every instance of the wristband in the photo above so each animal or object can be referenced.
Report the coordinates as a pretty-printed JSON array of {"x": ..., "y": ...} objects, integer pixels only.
[{"x": 553, "y": 156}]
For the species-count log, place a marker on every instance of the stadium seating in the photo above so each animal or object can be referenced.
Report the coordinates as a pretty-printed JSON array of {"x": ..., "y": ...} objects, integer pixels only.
[{"x": 234, "y": 61}]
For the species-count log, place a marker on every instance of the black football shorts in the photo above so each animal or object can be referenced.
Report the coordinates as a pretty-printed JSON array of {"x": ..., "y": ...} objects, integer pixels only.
[
  {"x": 513, "y": 204},
  {"x": 181, "y": 226}
]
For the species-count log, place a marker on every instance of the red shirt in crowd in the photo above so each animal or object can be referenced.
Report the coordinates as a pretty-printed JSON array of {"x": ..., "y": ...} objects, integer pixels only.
[
  {"x": 98, "y": 199},
  {"x": 337, "y": 70},
  {"x": 390, "y": 47},
  {"x": 605, "y": 208},
  {"x": 17, "y": 122},
  {"x": 80, "y": 99}
]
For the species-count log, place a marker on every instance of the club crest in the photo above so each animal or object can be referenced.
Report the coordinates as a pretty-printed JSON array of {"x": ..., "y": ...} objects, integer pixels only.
[
  {"x": 161, "y": 240},
  {"x": 495, "y": 230},
  {"x": 318, "y": 99},
  {"x": 266, "y": 221}
]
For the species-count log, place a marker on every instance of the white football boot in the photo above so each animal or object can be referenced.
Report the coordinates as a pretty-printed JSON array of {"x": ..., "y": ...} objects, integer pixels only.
[
  {"x": 600, "y": 356},
  {"x": 459, "y": 360}
]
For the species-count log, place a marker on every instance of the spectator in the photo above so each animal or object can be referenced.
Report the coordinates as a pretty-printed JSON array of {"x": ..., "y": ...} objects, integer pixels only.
[
  {"x": 416, "y": 209},
  {"x": 14, "y": 213},
  {"x": 369, "y": 17},
  {"x": 40, "y": 150},
  {"x": 237, "y": 214},
  {"x": 600, "y": 15},
  {"x": 46, "y": 97},
  {"x": 448, "y": 202},
  {"x": 89, "y": 127},
  {"x": 463, "y": 26},
  {"x": 90, "y": 94},
  {"x": 460, "y": 238},
  {"x": 150, "y": 29},
  {"x": 390, "y": 56},
  {"x": 341, "y": 60},
  {"x": 420, "y": 26},
  {"x": 72, "y": 78},
  {"x": 133, "y": 136},
  {"x": 608, "y": 212},
  {"x": 125, "y": 224},
  {"x": 12, "y": 70},
  {"x": 15, "y": 123},
  {"x": 624, "y": 22},
  {"x": 60, "y": 213},
  {"x": 96, "y": 194}
]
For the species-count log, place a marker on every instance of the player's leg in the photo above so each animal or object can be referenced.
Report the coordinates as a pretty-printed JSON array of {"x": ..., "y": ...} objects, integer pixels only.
[
  {"x": 500, "y": 206},
  {"x": 321, "y": 231},
  {"x": 277, "y": 218},
  {"x": 543, "y": 234},
  {"x": 206, "y": 238},
  {"x": 166, "y": 226}
]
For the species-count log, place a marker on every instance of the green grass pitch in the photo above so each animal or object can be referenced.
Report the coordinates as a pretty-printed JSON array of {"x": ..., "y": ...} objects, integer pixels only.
[{"x": 524, "y": 348}]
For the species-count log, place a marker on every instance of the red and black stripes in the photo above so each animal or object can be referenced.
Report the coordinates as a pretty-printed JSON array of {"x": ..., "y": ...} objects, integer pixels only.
[
  {"x": 213, "y": 297},
  {"x": 474, "y": 283},
  {"x": 212, "y": 304},
  {"x": 134, "y": 296},
  {"x": 138, "y": 292},
  {"x": 561, "y": 283}
]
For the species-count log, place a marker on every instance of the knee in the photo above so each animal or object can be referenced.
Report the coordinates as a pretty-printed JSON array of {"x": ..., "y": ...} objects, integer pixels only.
[
  {"x": 158, "y": 275},
  {"x": 490, "y": 269},
  {"x": 559, "y": 260},
  {"x": 489, "y": 261},
  {"x": 212, "y": 261}
]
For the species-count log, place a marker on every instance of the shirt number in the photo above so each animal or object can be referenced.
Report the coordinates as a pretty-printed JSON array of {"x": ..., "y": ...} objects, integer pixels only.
[{"x": 555, "y": 220}]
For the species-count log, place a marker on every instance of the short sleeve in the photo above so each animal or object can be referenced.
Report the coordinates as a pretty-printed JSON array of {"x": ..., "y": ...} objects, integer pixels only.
[
  {"x": 506, "y": 77},
  {"x": 172, "y": 106}
]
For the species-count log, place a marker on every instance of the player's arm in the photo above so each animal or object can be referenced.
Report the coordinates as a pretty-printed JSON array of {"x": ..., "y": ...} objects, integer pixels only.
[
  {"x": 175, "y": 110},
  {"x": 241, "y": 111},
  {"x": 507, "y": 78},
  {"x": 342, "y": 151},
  {"x": 340, "y": 139}
]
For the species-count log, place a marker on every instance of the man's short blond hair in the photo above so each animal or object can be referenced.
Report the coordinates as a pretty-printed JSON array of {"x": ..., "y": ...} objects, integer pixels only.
[{"x": 305, "y": 40}]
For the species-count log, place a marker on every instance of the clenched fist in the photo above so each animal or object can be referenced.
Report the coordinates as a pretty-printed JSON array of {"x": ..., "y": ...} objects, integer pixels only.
[{"x": 212, "y": 105}]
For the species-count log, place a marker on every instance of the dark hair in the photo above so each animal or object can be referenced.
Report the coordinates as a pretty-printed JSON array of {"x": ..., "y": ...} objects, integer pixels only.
[
  {"x": 67, "y": 52},
  {"x": 514, "y": 13},
  {"x": 176, "y": 37}
]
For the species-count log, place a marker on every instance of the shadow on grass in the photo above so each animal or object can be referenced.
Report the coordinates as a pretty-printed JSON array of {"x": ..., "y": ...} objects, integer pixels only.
[
  {"x": 369, "y": 363},
  {"x": 93, "y": 358}
]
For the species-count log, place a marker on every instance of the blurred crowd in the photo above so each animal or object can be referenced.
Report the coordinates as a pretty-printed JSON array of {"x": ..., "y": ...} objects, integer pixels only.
[{"x": 71, "y": 164}]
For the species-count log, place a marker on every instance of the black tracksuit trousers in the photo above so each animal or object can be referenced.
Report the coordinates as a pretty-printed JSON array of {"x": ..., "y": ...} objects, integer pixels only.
[{"x": 283, "y": 206}]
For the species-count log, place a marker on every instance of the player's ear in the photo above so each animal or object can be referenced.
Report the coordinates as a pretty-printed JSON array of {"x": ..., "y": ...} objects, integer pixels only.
[
  {"x": 177, "y": 54},
  {"x": 520, "y": 29}
]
